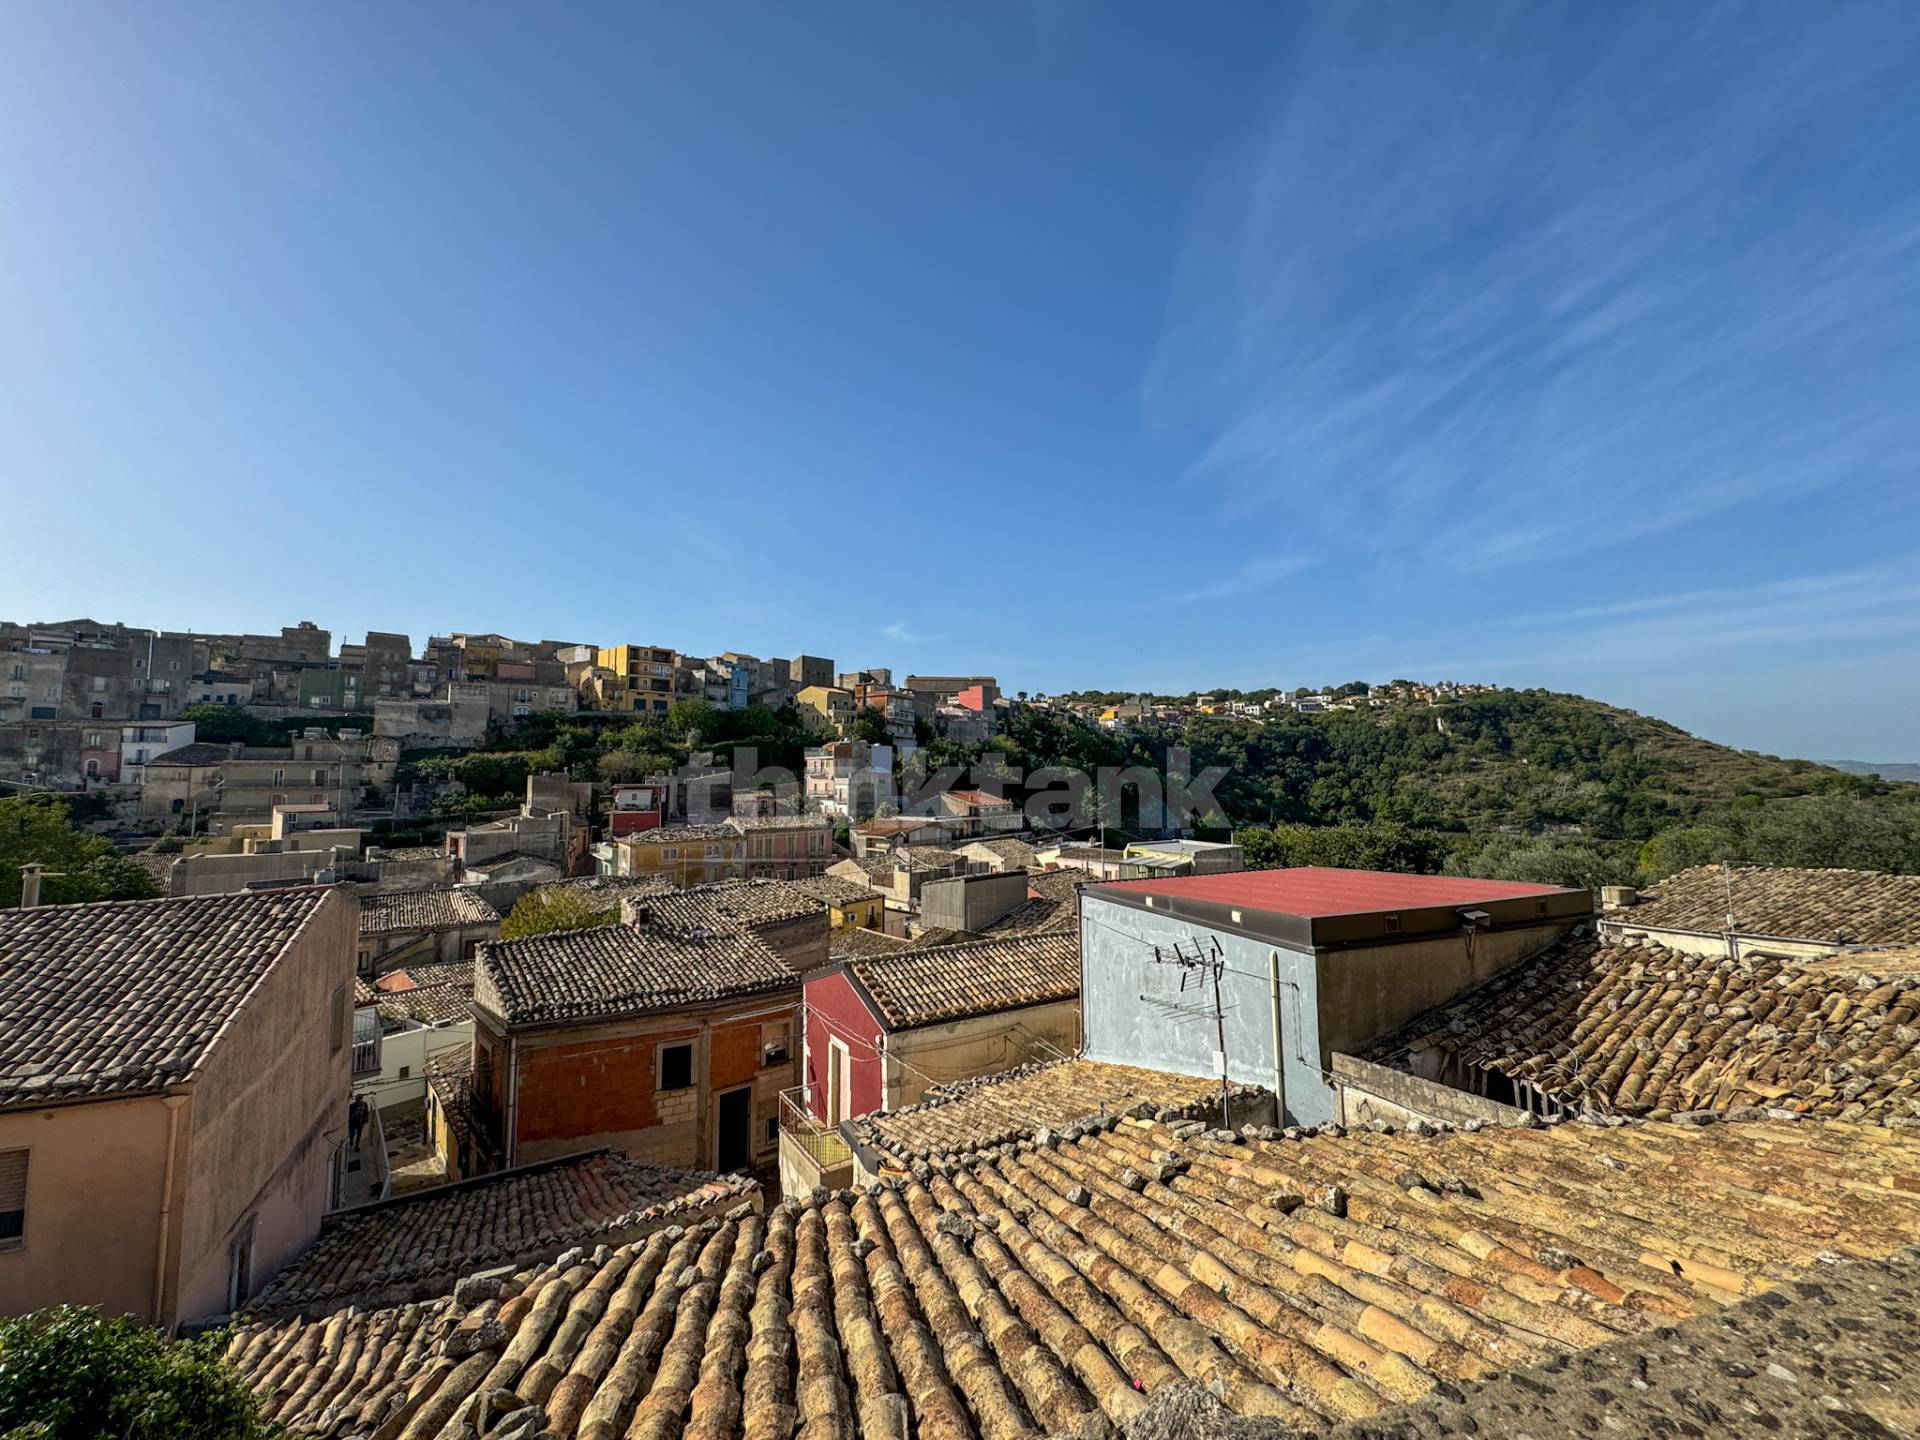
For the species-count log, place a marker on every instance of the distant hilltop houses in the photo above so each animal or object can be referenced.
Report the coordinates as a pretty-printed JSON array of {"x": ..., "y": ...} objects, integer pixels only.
[
  {"x": 86, "y": 705},
  {"x": 1264, "y": 704}
]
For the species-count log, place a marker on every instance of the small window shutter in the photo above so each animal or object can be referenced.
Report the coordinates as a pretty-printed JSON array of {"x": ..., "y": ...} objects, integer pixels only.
[{"x": 13, "y": 1198}]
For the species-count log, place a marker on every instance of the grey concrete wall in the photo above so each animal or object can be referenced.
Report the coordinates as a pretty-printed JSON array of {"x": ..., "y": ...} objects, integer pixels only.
[
  {"x": 971, "y": 902},
  {"x": 1335, "y": 1001},
  {"x": 1368, "y": 990},
  {"x": 1370, "y": 1092},
  {"x": 1134, "y": 1011}
]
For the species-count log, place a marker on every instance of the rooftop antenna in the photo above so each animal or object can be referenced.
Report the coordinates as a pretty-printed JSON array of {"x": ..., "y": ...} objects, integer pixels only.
[{"x": 1206, "y": 963}]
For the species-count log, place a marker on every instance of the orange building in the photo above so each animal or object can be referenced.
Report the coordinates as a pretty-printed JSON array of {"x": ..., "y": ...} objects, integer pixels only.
[{"x": 668, "y": 1041}]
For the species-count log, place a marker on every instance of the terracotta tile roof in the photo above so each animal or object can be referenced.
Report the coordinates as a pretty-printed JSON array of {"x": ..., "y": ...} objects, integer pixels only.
[
  {"x": 732, "y": 904},
  {"x": 1857, "y": 907},
  {"x": 1014, "y": 854},
  {"x": 198, "y": 755},
  {"x": 1016, "y": 1104},
  {"x": 428, "y": 1004},
  {"x": 417, "y": 1246},
  {"x": 834, "y": 890},
  {"x": 1058, "y": 885},
  {"x": 412, "y": 852},
  {"x": 1057, "y": 1285},
  {"x": 615, "y": 970},
  {"x": 1883, "y": 961},
  {"x": 782, "y": 822},
  {"x": 925, "y": 985},
  {"x": 128, "y": 996},
  {"x": 428, "y": 972},
  {"x": 363, "y": 992},
  {"x": 878, "y": 866},
  {"x": 442, "y": 908},
  {"x": 682, "y": 834},
  {"x": 896, "y": 824},
  {"x": 980, "y": 798},
  {"x": 1036, "y": 913},
  {"x": 859, "y": 942},
  {"x": 930, "y": 857},
  {"x": 450, "y": 1078},
  {"x": 1634, "y": 1028},
  {"x": 615, "y": 887},
  {"x": 1090, "y": 852}
]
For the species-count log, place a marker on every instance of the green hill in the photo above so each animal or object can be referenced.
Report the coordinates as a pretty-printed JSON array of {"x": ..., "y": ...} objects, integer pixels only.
[
  {"x": 1523, "y": 784},
  {"x": 1526, "y": 760}
]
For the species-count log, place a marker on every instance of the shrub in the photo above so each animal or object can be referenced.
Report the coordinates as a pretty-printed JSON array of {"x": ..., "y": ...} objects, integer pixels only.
[
  {"x": 539, "y": 912},
  {"x": 67, "y": 1374}
]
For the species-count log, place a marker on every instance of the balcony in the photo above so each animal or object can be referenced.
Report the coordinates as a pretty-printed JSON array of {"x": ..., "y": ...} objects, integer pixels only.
[{"x": 811, "y": 1153}]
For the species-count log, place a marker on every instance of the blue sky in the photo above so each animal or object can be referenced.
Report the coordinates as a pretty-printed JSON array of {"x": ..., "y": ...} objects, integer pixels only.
[{"x": 1128, "y": 346}]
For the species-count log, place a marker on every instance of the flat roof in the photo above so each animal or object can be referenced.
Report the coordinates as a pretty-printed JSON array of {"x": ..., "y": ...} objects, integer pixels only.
[{"x": 1312, "y": 891}]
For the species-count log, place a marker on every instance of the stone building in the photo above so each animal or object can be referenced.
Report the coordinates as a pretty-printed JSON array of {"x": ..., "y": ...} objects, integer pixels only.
[
  {"x": 173, "y": 1081},
  {"x": 672, "y": 1044}
]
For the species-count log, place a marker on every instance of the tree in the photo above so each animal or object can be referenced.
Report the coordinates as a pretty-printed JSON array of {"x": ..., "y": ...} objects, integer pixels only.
[
  {"x": 80, "y": 866},
  {"x": 871, "y": 726},
  {"x": 540, "y": 912},
  {"x": 689, "y": 719},
  {"x": 67, "y": 1374},
  {"x": 228, "y": 724}
]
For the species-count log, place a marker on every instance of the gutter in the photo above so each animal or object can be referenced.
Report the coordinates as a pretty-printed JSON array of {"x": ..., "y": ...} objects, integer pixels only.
[{"x": 173, "y": 1104}]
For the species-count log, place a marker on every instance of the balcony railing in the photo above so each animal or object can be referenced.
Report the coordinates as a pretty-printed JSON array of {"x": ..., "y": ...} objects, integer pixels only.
[{"x": 821, "y": 1142}]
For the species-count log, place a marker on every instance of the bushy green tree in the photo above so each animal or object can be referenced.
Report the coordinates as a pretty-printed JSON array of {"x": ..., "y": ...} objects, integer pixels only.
[
  {"x": 80, "y": 866},
  {"x": 540, "y": 912},
  {"x": 227, "y": 724},
  {"x": 1545, "y": 860},
  {"x": 67, "y": 1374}
]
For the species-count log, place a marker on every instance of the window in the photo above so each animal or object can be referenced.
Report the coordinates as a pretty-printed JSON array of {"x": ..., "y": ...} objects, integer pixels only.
[
  {"x": 669, "y": 853},
  {"x": 773, "y": 1131},
  {"x": 776, "y": 1043},
  {"x": 338, "y": 1035},
  {"x": 406, "y": 1072},
  {"x": 13, "y": 1199},
  {"x": 240, "y": 1266},
  {"x": 279, "y": 777},
  {"x": 93, "y": 739},
  {"x": 319, "y": 777},
  {"x": 676, "y": 1066}
]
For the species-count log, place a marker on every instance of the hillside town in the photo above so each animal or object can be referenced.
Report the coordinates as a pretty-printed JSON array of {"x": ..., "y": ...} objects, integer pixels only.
[{"x": 720, "y": 1102}]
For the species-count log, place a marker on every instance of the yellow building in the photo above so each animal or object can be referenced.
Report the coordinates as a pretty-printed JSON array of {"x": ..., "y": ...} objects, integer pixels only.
[
  {"x": 641, "y": 677},
  {"x": 833, "y": 705},
  {"x": 684, "y": 854},
  {"x": 848, "y": 903}
]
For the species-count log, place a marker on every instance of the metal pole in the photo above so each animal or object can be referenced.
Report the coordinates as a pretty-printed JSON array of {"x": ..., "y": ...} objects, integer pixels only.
[{"x": 1220, "y": 1025}]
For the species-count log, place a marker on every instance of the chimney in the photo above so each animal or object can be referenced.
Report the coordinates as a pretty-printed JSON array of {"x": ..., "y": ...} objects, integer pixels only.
[
  {"x": 1618, "y": 897},
  {"x": 30, "y": 885}
]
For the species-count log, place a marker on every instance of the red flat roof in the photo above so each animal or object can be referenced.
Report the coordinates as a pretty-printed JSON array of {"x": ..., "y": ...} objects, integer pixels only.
[{"x": 1313, "y": 890}]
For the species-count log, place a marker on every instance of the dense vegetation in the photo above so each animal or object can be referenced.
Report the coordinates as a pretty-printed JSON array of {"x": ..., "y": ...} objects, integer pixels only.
[
  {"x": 67, "y": 1374},
  {"x": 1525, "y": 785},
  {"x": 1516, "y": 784},
  {"x": 36, "y": 829},
  {"x": 540, "y": 912},
  {"x": 227, "y": 724}
]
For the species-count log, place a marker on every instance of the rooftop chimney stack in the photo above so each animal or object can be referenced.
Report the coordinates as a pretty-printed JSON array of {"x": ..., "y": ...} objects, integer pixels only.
[{"x": 30, "y": 885}]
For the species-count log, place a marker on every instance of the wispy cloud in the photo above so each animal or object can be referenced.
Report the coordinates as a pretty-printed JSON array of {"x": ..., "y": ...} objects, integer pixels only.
[
  {"x": 1462, "y": 301},
  {"x": 1255, "y": 574},
  {"x": 905, "y": 634}
]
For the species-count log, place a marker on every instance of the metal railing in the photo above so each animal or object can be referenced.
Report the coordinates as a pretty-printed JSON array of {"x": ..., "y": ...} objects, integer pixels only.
[{"x": 821, "y": 1142}]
